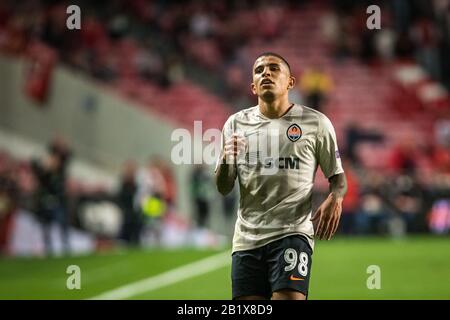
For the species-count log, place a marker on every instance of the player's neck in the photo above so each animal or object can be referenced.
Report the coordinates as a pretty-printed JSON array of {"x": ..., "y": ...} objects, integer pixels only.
[{"x": 274, "y": 109}]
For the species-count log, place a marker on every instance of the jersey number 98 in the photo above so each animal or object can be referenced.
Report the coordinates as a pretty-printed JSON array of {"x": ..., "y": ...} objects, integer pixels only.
[{"x": 291, "y": 258}]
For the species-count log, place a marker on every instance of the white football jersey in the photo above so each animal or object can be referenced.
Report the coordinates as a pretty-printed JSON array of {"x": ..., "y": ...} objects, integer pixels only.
[{"x": 276, "y": 172}]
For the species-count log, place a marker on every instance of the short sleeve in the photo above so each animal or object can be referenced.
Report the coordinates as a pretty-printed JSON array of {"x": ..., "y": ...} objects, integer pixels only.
[
  {"x": 327, "y": 150},
  {"x": 227, "y": 131}
]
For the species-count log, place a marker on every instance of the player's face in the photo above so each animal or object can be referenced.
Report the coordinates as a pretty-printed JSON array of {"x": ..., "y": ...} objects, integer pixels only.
[{"x": 271, "y": 78}]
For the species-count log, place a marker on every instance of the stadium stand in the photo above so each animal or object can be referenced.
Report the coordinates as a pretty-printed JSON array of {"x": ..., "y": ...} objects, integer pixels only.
[{"x": 191, "y": 61}]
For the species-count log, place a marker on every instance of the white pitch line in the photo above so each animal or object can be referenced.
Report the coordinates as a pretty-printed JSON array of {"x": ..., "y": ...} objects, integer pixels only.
[{"x": 167, "y": 278}]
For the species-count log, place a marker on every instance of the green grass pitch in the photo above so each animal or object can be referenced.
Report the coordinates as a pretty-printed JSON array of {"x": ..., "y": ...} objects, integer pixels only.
[{"x": 412, "y": 268}]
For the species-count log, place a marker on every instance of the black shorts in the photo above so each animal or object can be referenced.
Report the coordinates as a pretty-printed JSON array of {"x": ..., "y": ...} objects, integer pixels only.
[{"x": 282, "y": 264}]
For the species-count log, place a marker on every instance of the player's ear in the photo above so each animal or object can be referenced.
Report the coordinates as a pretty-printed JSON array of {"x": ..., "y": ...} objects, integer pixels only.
[
  {"x": 253, "y": 88},
  {"x": 291, "y": 83}
]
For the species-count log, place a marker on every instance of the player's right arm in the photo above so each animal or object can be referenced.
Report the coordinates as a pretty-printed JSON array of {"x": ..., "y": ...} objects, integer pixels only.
[{"x": 226, "y": 170}]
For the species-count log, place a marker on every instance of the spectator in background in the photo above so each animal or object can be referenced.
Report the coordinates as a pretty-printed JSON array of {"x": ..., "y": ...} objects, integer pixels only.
[
  {"x": 150, "y": 182},
  {"x": 175, "y": 69},
  {"x": 149, "y": 199},
  {"x": 54, "y": 30},
  {"x": 439, "y": 217},
  {"x": 27, "y": 185},
  {"x": 236, "y": 87},
  {"x": 200, "y": 190},
  {"x": 355, "y": 135},
  {"x": 50, "y": 199},
  {"x": 60, "y": 147},
  {"x": 440, "y": 158},
  {"x": 169, "y": 189},
  {"x": 336, "y": 29},
  {"x": 442, "y": 130},
  {"x": 118, "y": 25},
  {"x": 404, "y": 157},
  {"x": 132, "y": 218},
  {"x": 373, "y": 214},
  {"x": 442, "y": 14},
  {"x": 106, "y": 63},
  {"x": 407, "y": 199},
  {"x": 385, "y": 44},
  {"x": 151, "y": 65},
  {"x": 401, "y": 10},
  {"x": 315, "y": 84},
  {"x": 8, "y": 200},
  {"x": 404, "y": 46},
  {"x": 367, "y": 51},
  {"x": 270, "y": 21},
  {"x": 202, "y": 22},
  {"x": 440, "y": 149},
  {"x": 427, "y": 39},
  {"x": 14, "y": 38}
]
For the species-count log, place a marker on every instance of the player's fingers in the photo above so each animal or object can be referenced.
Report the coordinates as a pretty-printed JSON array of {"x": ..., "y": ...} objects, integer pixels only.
[
  {"x": 332, "y": 228},
  {"x": 236, "y": 139},
  {"x": 335, "y": 227},
  {"x": 326, "y": 228},
  {"x": 320, "y": 224},
  {"x": 240, "y": 146},
  {"x": 233, "y": 148},
  {"x": 323, "y": 231},
  {"x": 336, "y": 218},
  {"x": 316, "y": 220},
  {"x": 324, "y": 224},
  {"x": 333, "y": 207},
  {"x": 229, "y": 151},
  {"x": 320, "y": 231},
  {"x": 316, "y": 215},
  {"x": 235, "y": 143},
  {"x": 331, "y": 223},
  {"x": 233, "y": 139},
  {"x": 229, "y": 155},
  {"x": 231, "y": 142},
  {"x": 235, "y": 136},
  {"x": 326, "y": 218},
  {"x": 331, "y": 220}
]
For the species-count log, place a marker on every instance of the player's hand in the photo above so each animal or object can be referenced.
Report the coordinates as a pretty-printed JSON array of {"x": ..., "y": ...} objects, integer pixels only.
[
  {"x": 234, "y": 147},
  {"x": 326, "y": 218}
]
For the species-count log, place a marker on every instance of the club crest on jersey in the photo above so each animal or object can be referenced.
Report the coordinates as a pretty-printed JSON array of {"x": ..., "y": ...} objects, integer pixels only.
[{"x": 294, "y": 132}]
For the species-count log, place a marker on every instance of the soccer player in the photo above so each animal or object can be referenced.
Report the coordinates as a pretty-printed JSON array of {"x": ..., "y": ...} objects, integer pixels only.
[{"x": 274, "y": 149}]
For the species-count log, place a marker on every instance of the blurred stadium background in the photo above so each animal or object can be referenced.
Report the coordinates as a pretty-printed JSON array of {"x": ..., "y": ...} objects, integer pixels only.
[{"x": 86, "y": 118}]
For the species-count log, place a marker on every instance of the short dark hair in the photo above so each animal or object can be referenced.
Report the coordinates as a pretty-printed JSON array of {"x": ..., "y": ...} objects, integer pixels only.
[{"x": 273, "y": 54}]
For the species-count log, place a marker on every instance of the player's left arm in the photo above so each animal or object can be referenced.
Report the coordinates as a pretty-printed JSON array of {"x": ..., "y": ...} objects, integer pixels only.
[{"x": 326, "y": 219}]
